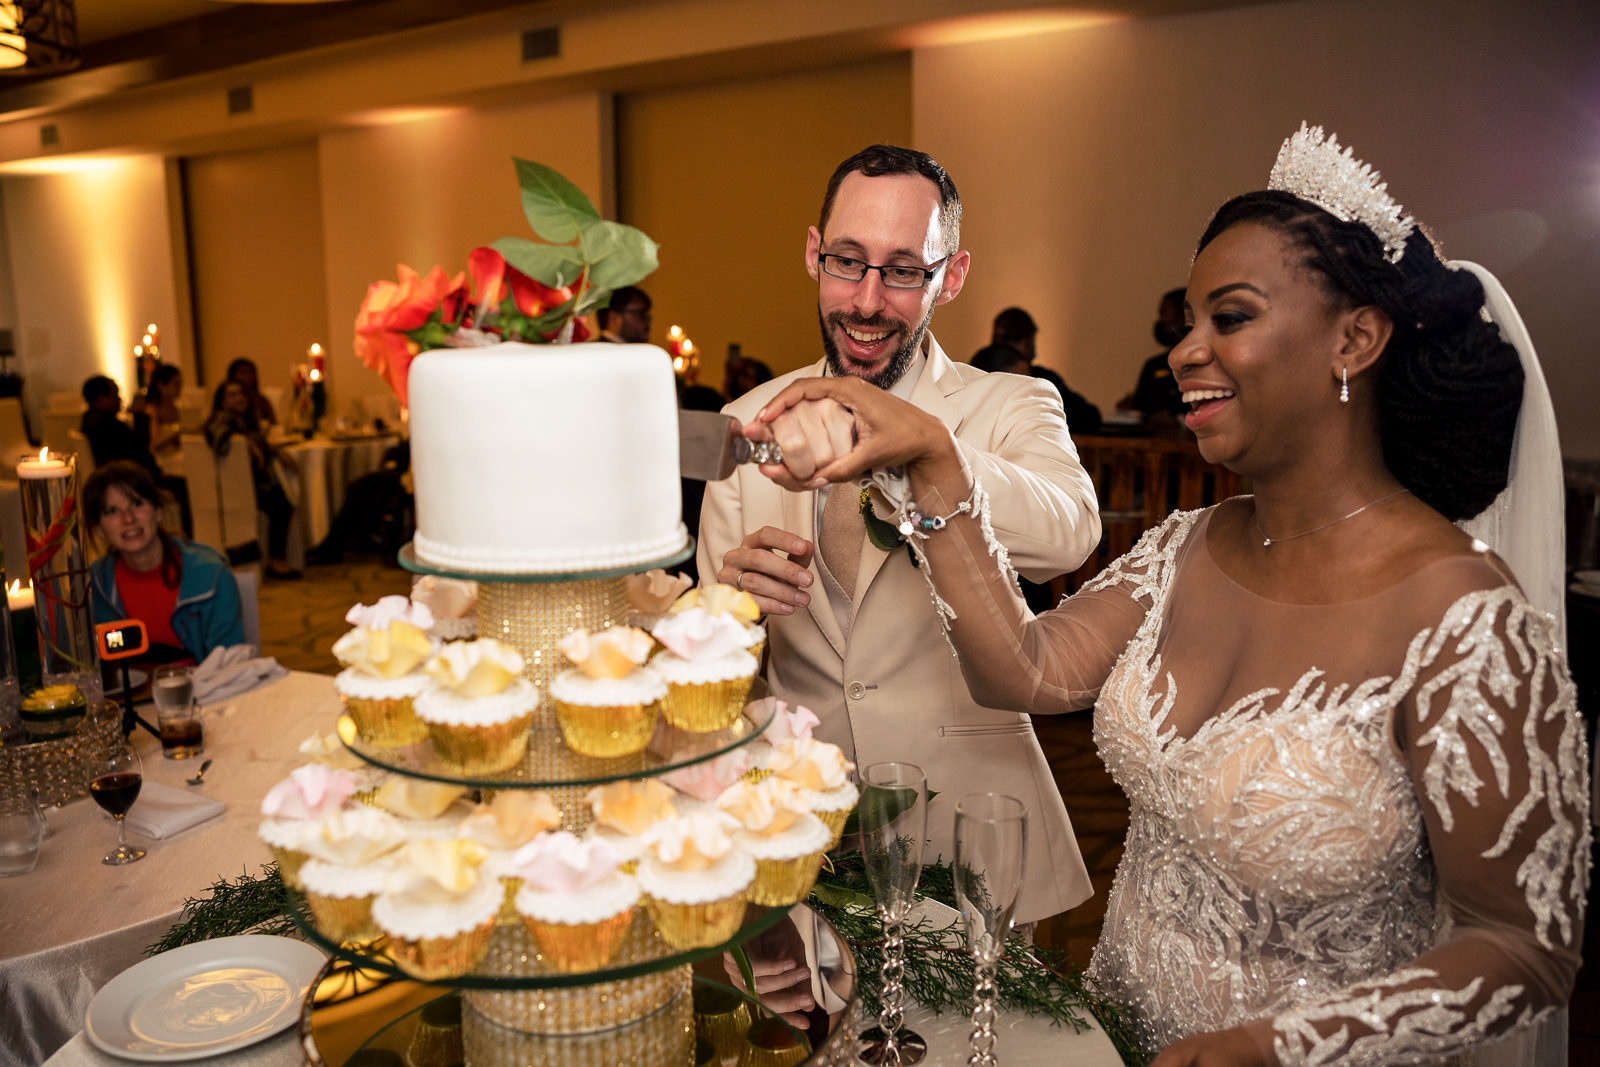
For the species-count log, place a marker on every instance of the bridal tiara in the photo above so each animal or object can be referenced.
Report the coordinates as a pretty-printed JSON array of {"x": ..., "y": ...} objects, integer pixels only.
[{"x": 1343, "y": 186}]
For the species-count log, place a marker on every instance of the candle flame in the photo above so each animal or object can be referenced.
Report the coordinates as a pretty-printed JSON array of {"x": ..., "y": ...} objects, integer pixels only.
[
  {"x": 316, "y": 349},
  {"x": 675, "y": 332},
  {"x": 688, "y": 347},
  {"x": 44, "y": 453},
  {"x": 316, "y": 375},
  {"x": 16, "y": 584}
]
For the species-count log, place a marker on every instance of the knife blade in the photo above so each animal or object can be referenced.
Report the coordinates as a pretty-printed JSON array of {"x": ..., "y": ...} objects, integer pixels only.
[{"x": 710, "y": 446}]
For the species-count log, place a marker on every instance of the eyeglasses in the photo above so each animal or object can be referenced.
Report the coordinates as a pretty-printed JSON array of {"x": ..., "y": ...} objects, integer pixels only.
[{"x": 894, "y": 276}]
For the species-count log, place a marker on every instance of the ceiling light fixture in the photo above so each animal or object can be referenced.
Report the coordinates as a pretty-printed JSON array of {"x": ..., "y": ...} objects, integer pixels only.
[{"x": 38, "y": 36}]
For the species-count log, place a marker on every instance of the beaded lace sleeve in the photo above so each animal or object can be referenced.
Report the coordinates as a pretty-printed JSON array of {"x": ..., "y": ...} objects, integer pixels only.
[{"x": 1496, "y": 755}]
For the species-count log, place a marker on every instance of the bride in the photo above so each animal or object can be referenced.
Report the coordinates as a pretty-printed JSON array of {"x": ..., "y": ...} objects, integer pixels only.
[{"x": 1359, "y": 826}]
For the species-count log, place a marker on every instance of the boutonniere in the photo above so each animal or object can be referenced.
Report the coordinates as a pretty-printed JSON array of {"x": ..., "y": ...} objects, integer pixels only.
[{"x": 883, "y": 535}]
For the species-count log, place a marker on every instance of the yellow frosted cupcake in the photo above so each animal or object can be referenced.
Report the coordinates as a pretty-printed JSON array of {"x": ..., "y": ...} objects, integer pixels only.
[
  {"x": 720, "y": 599},
  {"x": 295, "y": 807},
  {"x": 478, "y": 709},
  {"x": 783, "y": 723},
  {"x": 575, "y": 901},
  {"x": 779, "y": 832},
  {"x": 623, "y": 811},
  {"x": 606, "y": 705},
  {"x": 706, "y": 668},
  {"x": 694, "y": 879},
  {"x": 349, "y": 862},
  {"x": 438, "y": 908},
  {"x": 823, "y": 775},
  {"x": 508, "y": 821},
  {"x": 426, "y": 810},
  {"x": 380, "y": 682}
]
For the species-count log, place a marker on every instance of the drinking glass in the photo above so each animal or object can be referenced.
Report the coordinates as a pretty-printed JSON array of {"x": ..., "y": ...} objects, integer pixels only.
[
  {"x": 991, "y": 853},
  {"x": 177, "y": 716},
  {"x": 115, "y": 787},
  {"x": 893, "y": 813}
]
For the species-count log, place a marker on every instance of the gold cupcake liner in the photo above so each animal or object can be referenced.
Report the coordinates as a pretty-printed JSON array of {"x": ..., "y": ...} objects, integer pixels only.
[
  {"x": 290, "y": 860},
  {"x": 664, "y": 1036},
  {"x": 834, "y": 821},
  {"x": 341, "y": 919},
  {"x": 704, "y": 707},
  {"x": 755, "y": 774},
  {"x": 509, "y": 916},
  {"x": 697, "y": 925},
  {"x": 436, "y": 1042},
  {"x": 769, "y": 1043},
  {"x": 721, "y": 1017},
  {"x": 606, "y": 730},
  {"x": 472, "y": 750},
  {"x": 386, "y": 721},
  {"x": 574, "y": 947},
  {"x": 429, "y": 959},
  {"x": 780, "y": 882}
]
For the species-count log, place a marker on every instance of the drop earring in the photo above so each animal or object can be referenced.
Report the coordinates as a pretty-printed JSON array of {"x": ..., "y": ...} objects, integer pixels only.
[{"x": 1344, "y": 385}]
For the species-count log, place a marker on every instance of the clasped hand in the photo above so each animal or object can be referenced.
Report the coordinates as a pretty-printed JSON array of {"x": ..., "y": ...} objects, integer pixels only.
[{"x": 830, "y": 430}]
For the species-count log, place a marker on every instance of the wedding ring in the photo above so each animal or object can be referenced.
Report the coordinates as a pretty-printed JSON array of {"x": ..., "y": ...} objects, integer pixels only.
[{"x": 738, "y": 581}]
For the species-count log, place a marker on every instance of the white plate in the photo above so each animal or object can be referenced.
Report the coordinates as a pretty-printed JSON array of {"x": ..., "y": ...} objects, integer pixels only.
[{"x": 203, "y": 999}]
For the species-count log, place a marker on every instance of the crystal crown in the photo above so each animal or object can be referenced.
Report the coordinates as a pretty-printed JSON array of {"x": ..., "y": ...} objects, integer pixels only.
[{"x": 1343, "y": 186}]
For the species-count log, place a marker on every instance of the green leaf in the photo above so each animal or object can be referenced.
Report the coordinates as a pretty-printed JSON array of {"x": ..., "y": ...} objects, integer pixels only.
[
  {"x": 555, "y": 265},
  {"x": 555, "y": 208},
  {"x": 880, "y": 806},
  {"x": 618, "y": 255}
]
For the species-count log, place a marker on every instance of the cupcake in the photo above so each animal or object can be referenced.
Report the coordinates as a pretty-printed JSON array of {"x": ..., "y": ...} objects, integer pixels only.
[
  {"x": 706, "y": 668},
  {"x": 694, "y": 879},
  {"x": 575, "y": 901},
  {"x": 426, "y": 810},
  {"x": 438, "y": 908},
  {"x": 783, "y": 724},
  {"x": 623, "y": 811},
  {"x": 454, "y": 604},
  {"x": 727, "y": 600},
  {"x": 823, "y": 775},
  {"x": 504, "y": 824},
  {"x": 479, "y": 709},
  {"x": 381, "y": 656},
  {"x": 329, "y": 751},
  {"x": 779, "y": 832},
  {"x": 701, "y": 783},
  {"x": 650, "y": 595},
  {"x": 295, "y": 807},
  {"x": 349, "y": 861},
  {"x": 607, "y": 703}
]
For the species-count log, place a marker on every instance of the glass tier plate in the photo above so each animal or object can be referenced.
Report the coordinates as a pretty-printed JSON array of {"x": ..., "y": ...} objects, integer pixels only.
[
  {"x": 549, "y": 763},
  {"x": 408, "y": 560},
  {"x": 513, "y": 961}
]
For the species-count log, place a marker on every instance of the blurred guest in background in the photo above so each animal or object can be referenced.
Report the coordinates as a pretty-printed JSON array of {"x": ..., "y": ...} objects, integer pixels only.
[
  {"x": 233, "y": 416},
  {"x": 182, "y": 592},
  {"x": 1156, "y": 395},
  {"x": 1015, "y": 327},
  {"x": 626, "y": 319},
  {"x": 243, "y": 371},
  {"x": 743, "y": 374},
  {"x": 1001, "y": 359}
]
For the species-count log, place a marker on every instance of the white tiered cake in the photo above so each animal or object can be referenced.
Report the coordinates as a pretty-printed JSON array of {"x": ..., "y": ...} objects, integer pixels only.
[{"x": 545, "y": 459}]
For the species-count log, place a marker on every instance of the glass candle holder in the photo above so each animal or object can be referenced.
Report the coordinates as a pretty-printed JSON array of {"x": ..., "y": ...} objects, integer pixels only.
[{"x": 58, "y": 565}]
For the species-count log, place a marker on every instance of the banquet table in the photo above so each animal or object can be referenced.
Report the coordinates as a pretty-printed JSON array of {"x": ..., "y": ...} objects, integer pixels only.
[
  {"x": 328, "y": 466},
  {"x": 73, "y": 924}
]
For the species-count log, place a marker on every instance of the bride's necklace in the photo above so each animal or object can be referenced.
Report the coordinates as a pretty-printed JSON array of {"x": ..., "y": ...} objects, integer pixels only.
[{"x": 1268, "y": 542}]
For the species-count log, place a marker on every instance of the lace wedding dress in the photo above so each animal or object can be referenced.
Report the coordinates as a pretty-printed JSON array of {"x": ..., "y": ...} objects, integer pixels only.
[{"x": 1361, "y": 827}]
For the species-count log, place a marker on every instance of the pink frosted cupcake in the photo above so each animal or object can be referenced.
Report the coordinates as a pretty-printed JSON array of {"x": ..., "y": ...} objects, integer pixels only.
[
  {"x": 350, "y": 858},
  {"x": 787, "y": 724},
  {"x": 623, "y": 811},
  {"x": 694, "y": 879},
  {"x": 382, "y": 656},
  {"x": 479, "y": 708},
  {"x": 508, "y": 821},
  {"x": 606, "y": 705},
  {"x": 706, "y": 668},
  {"x": 720, "y": 599},
  {"x": 700, "y": 784},
  {"x": 294, "y": 809},
  {"x": 823, "y": 775},
  {"x": 779, "y": 832},
  {"x": 575, "y": 901},
  {"x": 438, "y": 908}
]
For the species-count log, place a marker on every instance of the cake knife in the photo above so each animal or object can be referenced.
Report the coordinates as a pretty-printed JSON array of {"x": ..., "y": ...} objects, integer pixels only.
[{"x": 710, "y": 446}]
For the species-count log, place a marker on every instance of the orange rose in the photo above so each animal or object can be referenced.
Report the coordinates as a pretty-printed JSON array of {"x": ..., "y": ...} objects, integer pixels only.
[{"x": 392, "y": 308}]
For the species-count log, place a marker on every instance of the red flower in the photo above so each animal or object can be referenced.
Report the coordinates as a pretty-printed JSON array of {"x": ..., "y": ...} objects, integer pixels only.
[{"x": 391, "y": 309}]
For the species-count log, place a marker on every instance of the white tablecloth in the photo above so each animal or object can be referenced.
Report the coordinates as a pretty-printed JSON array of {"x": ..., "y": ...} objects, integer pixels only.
[
  {"x": 73, "y": 924},
  {"x": 327, "y": 468}
]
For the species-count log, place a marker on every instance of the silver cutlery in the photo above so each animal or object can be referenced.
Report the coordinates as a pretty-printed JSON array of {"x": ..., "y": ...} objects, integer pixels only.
[{"x": 199, "y": 775}]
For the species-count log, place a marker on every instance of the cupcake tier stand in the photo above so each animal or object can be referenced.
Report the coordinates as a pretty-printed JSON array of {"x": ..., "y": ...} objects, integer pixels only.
[{"x": 521, "y": 1010}]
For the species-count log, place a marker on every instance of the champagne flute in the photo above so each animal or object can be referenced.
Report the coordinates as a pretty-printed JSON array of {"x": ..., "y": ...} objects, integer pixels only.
[
  {"x": 991, "y": 854},
  {"x": 115, "y": 787},
  {"x": 893, "y": 813}
]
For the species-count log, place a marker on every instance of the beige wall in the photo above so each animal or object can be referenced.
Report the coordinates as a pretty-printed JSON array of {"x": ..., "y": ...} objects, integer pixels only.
[
  {"x": 255, "y": 235},
  {"x": 1090, "y": 160},
  {"x": 727, "y": 178},
  {"x": 91, "y": 264}
]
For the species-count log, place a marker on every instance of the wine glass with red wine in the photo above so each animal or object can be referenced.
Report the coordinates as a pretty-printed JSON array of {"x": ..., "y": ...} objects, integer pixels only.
[{"x": 115, "y": 786}]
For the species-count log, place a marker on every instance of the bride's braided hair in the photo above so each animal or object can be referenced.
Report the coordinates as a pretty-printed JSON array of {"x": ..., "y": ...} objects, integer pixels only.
[{"x": 1448, "y": 387}]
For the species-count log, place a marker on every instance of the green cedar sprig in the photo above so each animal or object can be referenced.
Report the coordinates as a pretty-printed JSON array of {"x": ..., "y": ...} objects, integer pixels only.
[{"x": 252, "y": 904}]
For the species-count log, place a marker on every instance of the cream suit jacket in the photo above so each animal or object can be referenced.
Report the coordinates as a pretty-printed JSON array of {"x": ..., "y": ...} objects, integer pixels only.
[{"x": 894, "y": 690}]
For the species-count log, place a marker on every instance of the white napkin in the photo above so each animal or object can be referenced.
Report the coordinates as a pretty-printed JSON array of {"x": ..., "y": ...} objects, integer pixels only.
[
  {"x": 227, "y": 672},
  {"x": 162, "y": 811}
]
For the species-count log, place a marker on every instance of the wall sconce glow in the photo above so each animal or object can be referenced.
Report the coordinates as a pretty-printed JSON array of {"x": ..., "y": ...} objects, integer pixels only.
[
  {"x": 396, "y": 116},
  {"x": 1001, "y": 27},
  {"x": 85, "y": 164}
]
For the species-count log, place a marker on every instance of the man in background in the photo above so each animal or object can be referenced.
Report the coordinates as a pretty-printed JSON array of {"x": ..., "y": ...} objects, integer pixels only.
[
  {"x": 852, "y": 631},
  {"x": 1015, "y": 327},
  {"x": 626, "y": 319}
]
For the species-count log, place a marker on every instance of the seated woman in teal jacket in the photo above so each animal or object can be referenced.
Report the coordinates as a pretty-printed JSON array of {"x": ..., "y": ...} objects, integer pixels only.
[{"x": 182, "y": 592}]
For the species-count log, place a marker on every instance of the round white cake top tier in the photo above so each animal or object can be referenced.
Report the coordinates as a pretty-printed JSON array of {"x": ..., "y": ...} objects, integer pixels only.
[{"x": 545, "y": 459}]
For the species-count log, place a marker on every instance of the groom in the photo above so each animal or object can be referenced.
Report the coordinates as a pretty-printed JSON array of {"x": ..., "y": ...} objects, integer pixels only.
[{"x": 852, "y": 630}]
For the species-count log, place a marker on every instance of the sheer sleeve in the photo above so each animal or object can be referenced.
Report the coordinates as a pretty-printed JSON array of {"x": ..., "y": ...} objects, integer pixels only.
[
  {"x": 1011, "y": 659},
  {"x": 1496, "y": 754}
]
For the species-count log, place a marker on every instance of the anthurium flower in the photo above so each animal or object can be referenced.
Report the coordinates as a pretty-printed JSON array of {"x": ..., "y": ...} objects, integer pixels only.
[
  {"x": 705, "y": 781},
  {"x": 310, "y": 792},
  {"x": 436, "y": 870},
  {"x": 389, "y": 652},
  {"x": 653, "y": 592},
  {"x": 476, "y": 668},
  {"x": 691, "y": 842},
  {"x": 414, "y": 798},
  {"x": 769, "y": 806},
  {"x": 788, "y": 724},
  {"x": 514, "y": 817},
  {"x": 611, "y": 653},
  {"x": 698, "y": 635},
  {"x": 561, "y": 863},
  {"x": 810, "y": 764},
  {"x": 631, "y": 806}
]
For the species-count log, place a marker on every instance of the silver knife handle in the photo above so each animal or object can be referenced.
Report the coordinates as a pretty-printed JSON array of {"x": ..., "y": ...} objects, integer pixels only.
[{"x": 748, "y": 451}]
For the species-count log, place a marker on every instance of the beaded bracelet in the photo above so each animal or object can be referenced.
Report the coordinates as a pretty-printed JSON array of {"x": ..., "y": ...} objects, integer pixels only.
[{"x": 917, "y": 521}]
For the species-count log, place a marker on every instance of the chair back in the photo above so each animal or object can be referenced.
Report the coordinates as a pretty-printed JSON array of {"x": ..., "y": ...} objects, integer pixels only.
[
  {"x": 13, "y": 433},
  {"x": 56, "y": 428},
  {"x": 78, "y": 443},
  {"x": 222, "y": 496},
  {"x": 249, "y": 580}
]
